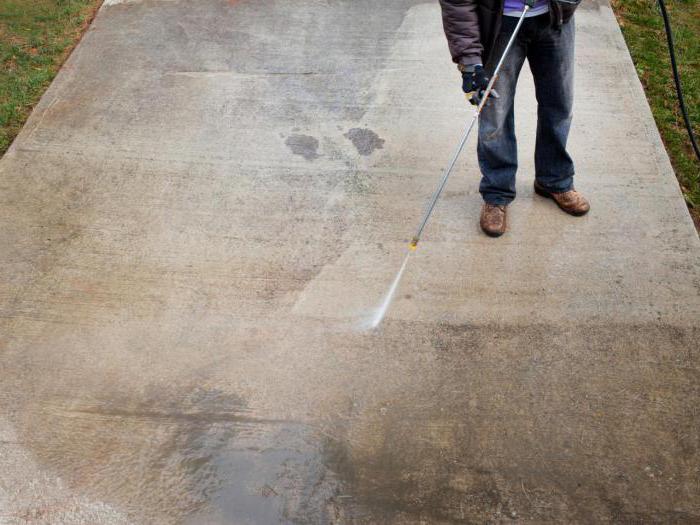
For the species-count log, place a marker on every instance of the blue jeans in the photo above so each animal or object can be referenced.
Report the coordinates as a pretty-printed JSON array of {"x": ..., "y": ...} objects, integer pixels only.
[{"x": 550, "y": 53}]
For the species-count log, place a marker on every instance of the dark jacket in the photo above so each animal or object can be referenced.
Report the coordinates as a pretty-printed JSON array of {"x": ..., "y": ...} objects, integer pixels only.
[{"x": 472, "y": 26}]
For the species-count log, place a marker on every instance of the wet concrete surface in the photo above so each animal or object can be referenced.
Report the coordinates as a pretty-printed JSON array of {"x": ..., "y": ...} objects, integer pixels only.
[{"x": 211, "y": 199}]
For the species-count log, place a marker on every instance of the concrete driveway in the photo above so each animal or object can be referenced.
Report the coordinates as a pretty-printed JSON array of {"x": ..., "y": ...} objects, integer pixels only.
[{"x": 205, "y": 208}]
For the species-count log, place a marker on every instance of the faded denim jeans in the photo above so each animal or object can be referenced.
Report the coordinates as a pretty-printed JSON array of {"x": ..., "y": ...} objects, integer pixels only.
[{"x": 550, "y": 53}]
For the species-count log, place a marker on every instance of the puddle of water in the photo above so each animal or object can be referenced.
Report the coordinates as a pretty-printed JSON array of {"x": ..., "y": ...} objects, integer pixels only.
[
  {"x": 206, "y": 458},
  {"x": 274, "y": 476}
]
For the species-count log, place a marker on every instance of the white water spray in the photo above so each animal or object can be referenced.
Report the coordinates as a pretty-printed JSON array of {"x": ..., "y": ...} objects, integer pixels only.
[{"x": 381, "y": 311}]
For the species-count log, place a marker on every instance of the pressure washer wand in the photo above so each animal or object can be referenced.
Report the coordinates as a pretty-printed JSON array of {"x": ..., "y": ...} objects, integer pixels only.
[
  {"x": 384, "y": 307},
  {"x": 487, "y": 92}
]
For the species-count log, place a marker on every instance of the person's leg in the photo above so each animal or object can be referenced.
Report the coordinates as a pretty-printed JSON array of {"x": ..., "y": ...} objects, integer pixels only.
[
  {"x": 551, "y": 58},
  {"x": 497, "y": 148}
]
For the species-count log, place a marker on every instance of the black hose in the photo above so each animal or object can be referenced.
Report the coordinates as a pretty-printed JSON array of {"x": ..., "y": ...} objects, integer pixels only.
[{"x": 676, "y": 78}]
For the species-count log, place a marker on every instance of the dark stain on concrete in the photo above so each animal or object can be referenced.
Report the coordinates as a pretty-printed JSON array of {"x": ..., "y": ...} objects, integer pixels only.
[
  {"x": 365, "y": 140},
  {"x": 303, "y": 145}
]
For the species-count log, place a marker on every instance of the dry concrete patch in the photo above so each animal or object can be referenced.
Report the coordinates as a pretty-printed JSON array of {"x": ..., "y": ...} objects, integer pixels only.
[
  {"x": 35, "y": 496},
  {"x": 108, "y": 3}
]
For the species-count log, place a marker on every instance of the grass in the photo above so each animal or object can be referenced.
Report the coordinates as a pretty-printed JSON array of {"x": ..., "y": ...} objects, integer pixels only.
[
  {"x": 643, "y": 28},
  {"x": 36, "y": 36}
]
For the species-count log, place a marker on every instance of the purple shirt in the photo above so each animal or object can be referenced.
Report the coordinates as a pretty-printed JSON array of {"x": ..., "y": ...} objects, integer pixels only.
[{"x": 515, "y": 8}]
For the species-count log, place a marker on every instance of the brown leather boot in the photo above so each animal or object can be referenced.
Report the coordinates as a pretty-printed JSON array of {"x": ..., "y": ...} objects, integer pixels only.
[
  {"x": 572, "y": 202},
  {"x": 493, "y": 219}
]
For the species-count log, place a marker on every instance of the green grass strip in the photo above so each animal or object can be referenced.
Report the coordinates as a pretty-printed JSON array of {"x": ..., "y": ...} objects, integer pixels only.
[
  {"x": 643, "y": 28},
  {"x": 35, "y": 38}
]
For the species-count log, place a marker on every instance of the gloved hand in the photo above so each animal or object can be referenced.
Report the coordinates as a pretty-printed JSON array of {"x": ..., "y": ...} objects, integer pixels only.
[{"x": 474, "y": 84}]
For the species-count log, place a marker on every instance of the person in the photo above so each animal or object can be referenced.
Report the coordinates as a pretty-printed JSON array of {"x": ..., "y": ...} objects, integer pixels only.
[{"x": 477, "y": 33}]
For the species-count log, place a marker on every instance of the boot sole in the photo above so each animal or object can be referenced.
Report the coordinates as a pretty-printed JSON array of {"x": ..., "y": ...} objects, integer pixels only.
[
  {"x": 492, "y": 234},
  {"x": 547, "y": 195}
]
